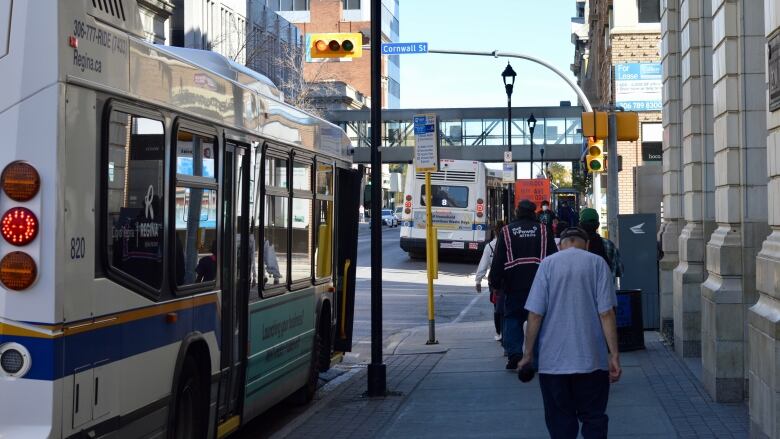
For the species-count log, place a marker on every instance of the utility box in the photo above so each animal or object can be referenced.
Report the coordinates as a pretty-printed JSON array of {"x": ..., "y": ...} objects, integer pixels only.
[{"x": 639, "y": 252}]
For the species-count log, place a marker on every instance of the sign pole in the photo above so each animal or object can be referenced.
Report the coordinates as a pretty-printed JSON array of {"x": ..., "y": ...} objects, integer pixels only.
[
  {"x": 613, "y": 203},
  {"x": 431, "y": 254},
  {"x": 377, "y": 372}
]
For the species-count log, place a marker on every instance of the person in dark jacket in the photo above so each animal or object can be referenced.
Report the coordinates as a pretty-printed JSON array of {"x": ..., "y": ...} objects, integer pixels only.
[
  {"x": 566, "y": 213},
  {"x": 520, "y": 248},
  {"x": 547, "y": 216}
]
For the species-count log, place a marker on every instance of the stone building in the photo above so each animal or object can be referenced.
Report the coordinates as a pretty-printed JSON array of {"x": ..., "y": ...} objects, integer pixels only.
[
  {"x": 155, "y": 18},
  {"x": 721, "y": 221},
  {"x": 613, "y": 40}
]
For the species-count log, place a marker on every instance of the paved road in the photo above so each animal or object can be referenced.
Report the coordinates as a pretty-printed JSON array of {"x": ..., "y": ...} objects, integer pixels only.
[
  {"x": 405, "y": 302},
  {"x": 404, "y": 291}
]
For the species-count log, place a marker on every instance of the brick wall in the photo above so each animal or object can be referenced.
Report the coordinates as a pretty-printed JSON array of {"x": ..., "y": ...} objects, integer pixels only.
[
  {"x": 633, "y": 48},
  {"x": 326, "y": 17}
]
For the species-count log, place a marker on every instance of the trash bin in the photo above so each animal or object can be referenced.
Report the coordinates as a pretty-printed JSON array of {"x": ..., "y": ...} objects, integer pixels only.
[{"x": 630, "y": 327}]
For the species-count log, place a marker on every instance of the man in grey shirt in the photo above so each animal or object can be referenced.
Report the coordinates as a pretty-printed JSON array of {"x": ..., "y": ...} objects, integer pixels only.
[{"x": 572, "y": 300}]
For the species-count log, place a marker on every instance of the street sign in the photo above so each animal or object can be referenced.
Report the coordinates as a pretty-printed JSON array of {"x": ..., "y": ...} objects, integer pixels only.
[
  {"x": 509, "y": 172},
  {"x": 507, "y": 156},
  {"x": 404, "y": 48},
  {"x": 426, "y": 140}
]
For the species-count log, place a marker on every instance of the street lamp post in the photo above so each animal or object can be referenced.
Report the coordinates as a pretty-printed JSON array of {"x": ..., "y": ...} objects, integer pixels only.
[
  {"x": 531, "y": 126},
  {"x": 509, "y": 82}
]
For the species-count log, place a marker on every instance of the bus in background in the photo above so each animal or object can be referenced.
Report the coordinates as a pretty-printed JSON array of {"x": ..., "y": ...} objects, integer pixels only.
[
  {"x": 173, "y": 232},
  {"x": 467, "y": 199}
]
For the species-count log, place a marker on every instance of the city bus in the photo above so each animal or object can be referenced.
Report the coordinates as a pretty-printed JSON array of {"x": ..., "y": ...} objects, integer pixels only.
[
  {"x": 178, "y": 243},
  {"x": 467, "y": 199}
]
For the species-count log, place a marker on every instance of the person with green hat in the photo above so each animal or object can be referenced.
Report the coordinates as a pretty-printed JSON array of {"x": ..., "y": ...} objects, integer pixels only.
[{"x": 589, "y": 221}]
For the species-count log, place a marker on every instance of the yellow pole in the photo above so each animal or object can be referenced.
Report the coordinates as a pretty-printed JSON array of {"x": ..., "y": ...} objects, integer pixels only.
[{"x": 431, "y": 255}]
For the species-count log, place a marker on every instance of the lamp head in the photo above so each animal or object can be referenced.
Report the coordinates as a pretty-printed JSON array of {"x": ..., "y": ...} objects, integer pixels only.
[{"x": 509, "y": 75}]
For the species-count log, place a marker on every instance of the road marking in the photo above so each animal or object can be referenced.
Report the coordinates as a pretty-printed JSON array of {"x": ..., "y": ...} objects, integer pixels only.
[{"x": 467, "y": 308}]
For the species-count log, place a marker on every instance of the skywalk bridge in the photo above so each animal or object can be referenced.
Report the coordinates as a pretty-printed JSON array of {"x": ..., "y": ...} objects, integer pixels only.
[{"x": 470, "y": 133}]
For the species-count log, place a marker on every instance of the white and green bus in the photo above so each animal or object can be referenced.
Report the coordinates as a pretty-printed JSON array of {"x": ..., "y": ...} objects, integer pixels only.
[{"x": 178, "y": 243}]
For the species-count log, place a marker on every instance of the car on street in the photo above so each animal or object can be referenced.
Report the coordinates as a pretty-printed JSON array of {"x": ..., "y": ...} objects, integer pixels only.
[
  {"x": 398, "y": 213},
  {"x": 388, "y": 218}
]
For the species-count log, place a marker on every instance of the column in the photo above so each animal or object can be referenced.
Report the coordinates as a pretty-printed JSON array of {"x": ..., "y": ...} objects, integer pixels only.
[
  {"x": 672, "y": 158},
  {"x": 698, "y": 184},
  {"x": 739, "y": 126},
  {"x": 764, "y": 317}
]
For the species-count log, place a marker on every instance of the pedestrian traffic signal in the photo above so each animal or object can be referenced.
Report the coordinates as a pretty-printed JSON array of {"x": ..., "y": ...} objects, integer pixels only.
[
  {"x": 336, "y": 45},
  {"x": 595, "y": 155}
]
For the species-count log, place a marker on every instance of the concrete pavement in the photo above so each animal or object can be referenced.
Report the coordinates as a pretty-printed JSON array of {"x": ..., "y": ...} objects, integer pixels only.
[{"x": 459, "y": 389}]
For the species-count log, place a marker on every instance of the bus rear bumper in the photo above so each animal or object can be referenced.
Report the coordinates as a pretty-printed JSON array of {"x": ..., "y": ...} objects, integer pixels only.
[
  {"x": 27, "y": 408},
  {"x": 457, "y": 248}
]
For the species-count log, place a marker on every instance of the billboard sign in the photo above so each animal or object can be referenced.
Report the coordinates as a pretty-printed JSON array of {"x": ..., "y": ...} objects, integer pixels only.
[{"x": 638, "y": 86}]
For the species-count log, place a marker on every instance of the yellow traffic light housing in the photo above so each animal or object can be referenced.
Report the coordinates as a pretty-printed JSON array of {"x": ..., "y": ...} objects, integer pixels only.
[
  {"x": 594, "y": 158},
  {"x": 594, "y": 124},
  {"x": 627, "y": 125},
  {"x": 336, "y": 45}
]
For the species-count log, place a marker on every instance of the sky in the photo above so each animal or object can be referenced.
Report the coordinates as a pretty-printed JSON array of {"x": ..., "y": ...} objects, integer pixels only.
[{"x": 538, "y": 28}]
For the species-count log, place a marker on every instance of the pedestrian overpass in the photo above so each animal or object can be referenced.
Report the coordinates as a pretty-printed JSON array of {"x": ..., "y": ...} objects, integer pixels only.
[{"x": 470, "y": 133}]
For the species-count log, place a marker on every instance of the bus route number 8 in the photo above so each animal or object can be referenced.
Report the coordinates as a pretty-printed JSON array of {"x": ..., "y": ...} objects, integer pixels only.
[{"x": 77, "y": 248}]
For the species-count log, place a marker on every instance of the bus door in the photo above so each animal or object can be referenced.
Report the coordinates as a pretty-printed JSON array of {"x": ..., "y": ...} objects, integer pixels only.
[
  {"x": 347, "y": 209},
  {"x": 237, "y": 249}
]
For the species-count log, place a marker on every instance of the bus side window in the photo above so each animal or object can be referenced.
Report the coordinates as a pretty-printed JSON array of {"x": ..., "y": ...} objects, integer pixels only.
[
  {"x": 197, "y": 256},
  {"x": 135, "y": 194}
]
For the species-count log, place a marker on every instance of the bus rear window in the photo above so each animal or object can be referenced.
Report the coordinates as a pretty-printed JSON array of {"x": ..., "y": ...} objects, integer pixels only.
[{"x": 446, "y": 196}]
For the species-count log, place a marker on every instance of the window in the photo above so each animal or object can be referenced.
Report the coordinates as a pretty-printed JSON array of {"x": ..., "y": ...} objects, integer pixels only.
[
  {"x": 135, "y": 197},
  {"x": 351, "y": 4},
  {"x": 302, "y": 213},
  {"x": 196, "y": 209},
  {"x": 275, "y": 244},
  {"x": 275, "y": 213},
  {"x": 649, "y": 11},
  {"x": 446, "y": 196},
  {"x": 291, "y": 5},
  {"x": 323, "y": 246},
  {"x": 301, "y": 239}
]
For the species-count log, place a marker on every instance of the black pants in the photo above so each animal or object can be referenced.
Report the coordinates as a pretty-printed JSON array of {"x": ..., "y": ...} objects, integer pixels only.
[
  {"x": 575, "y": 398},
  {"x": 498, "y": 318}
]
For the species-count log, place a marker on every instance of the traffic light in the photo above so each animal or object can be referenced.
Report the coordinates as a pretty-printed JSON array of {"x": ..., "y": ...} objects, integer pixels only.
[
  {"x": 336, "y": 45},
  {"x": 595, "y": 156}
]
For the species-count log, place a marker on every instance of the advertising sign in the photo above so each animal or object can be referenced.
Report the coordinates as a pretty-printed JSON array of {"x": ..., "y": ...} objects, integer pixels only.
[
  {"x": 426, "y": 149},
  {"x": 536, "y": 190},
  {"x": 638, "y": 86},
  {"x": 445, "y": 220}
]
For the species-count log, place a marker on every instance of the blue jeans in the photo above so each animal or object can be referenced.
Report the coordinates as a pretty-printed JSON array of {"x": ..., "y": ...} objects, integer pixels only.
[{"x": 513, "y": 335}]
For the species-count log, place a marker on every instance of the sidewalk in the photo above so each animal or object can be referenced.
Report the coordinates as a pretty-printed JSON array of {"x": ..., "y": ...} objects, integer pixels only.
[{"x": 459, "y": 389}]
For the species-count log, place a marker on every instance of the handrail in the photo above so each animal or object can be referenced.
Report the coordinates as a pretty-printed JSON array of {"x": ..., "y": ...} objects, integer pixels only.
[{"x": 342, "y": 329}]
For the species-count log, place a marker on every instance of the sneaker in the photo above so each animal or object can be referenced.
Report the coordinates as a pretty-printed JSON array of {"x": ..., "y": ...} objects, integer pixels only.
[
  {"x": 497, "y": 337},
  {"x": 513, "y": 360}
]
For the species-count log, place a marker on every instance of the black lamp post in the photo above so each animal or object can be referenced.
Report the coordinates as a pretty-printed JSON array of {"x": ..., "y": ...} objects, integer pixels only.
[
  {"x": 531, "y": 125},
  {"x": 509, "y": 82}
]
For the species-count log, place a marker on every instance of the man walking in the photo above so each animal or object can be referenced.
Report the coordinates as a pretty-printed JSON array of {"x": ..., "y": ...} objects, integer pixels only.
[
  {"x": 520, "y": 247},
  {"x": 573, "y": 293}
]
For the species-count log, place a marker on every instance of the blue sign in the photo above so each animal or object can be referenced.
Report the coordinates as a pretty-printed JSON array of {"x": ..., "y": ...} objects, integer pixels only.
[
  {"x": 403, "y": 48},
  {"x": 422, "y": 125},
  {"x": 638, "y": 86}
]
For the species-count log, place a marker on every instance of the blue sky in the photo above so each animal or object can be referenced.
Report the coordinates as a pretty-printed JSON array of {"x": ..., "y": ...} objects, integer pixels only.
[{"x": 538, "y": 28}]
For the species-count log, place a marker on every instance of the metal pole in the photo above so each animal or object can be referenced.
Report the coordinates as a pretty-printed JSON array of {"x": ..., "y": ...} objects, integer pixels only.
[
  {"x": 612, "y": 179},
  {"x": 431, "y": 244},
  {"x": 377, "y": 373},
  {"x": 532, "y": 155},
  {"x": 509, "y": 205}
]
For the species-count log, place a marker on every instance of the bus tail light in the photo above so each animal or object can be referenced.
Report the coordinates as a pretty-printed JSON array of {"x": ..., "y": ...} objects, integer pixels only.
[
  {"x": 479, "y": 214},
  {"x": 19, "y": 226},
  {"x": 408, "y": 198},
  {"x": 17, "y": 271},
  {"x": 407, "y": 211},
  {"x": 20, "y": 181}
]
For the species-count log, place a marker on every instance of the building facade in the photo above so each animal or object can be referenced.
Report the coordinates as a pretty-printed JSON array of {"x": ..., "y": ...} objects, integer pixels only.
[
  {"x": 722, "y": 196},
  {"x": 315, "y": 16},
  {"x": 156, "y": 20},
  {"x": 617, "y": 62}
]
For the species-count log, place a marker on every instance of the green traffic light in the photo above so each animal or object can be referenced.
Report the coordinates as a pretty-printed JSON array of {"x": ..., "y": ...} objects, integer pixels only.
[
  {"x": 347, "y": 45},
  {"x": 595, "y": 165}
]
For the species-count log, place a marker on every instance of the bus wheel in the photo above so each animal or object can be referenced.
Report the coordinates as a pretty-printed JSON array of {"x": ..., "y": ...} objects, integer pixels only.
[
  {"x": 305, "y": 394},
  {"x": 190, "y": 413}
]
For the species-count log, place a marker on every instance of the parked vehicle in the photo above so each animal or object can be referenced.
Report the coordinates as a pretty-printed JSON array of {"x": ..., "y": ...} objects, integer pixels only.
[{"x": 388, "y": 218}]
